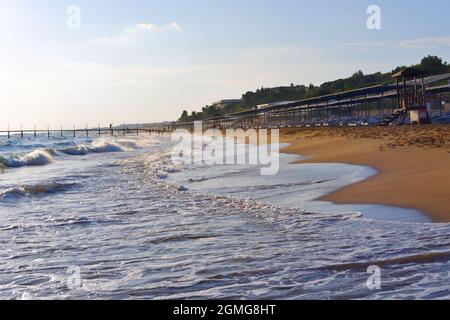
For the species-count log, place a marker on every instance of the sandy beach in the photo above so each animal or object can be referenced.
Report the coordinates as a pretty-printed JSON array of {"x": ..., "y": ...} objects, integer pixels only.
[{"x": 413, "y": 164}]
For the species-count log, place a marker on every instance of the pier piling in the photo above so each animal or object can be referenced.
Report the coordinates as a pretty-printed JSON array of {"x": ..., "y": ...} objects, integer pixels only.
[{"x": 60, "y": 132}]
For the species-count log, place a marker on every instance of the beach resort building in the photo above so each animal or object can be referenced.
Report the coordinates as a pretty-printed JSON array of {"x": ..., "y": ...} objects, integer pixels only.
[{"x": 375, "y": 105}]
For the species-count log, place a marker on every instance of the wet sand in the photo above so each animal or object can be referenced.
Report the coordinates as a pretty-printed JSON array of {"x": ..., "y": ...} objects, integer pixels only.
[{"x": 413, "y": 164}]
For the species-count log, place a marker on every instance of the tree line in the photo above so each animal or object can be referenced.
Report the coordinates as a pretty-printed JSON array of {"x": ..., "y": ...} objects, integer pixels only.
[{"x": 430, "y": 65}]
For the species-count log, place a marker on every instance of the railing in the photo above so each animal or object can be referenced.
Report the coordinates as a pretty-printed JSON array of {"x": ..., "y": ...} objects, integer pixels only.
[{"x": 80, "y": 132}]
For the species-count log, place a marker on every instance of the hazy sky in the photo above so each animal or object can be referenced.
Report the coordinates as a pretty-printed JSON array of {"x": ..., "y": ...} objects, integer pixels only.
[{"x": 145, "y": 61}]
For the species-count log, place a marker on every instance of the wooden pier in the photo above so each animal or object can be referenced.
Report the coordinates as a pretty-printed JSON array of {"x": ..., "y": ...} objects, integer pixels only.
[{"x": 78, "y": 133}]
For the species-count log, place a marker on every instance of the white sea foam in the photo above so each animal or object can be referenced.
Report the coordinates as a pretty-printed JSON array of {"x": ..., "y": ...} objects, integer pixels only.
[
  {"x": 38, "y": 157},
  {"x": 78, "y": 150},
  {"x": 215, "y": 246},
  {"x": 105, "y": 146},
  {"x": 42, "y": 155},
  {"x": 96, "y": 147},
  {"x": 34, "y": 189},
  {"x": 129, "y": 145}
]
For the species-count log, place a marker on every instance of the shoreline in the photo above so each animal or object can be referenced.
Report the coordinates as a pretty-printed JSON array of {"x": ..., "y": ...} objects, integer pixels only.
[{"x": 413, "y": 164}]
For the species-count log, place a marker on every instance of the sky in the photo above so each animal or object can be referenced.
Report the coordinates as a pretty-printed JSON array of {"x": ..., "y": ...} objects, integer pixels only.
[{"x": 139, "y": 61}]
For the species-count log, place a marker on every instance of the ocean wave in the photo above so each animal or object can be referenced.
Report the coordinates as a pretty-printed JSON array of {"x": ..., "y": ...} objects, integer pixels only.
[
  {"x": 127, "y": 144},
  {"x": 104, "y": 146},
  {"x": 78, "y": 150},
  {"x": 95, "y": 147},
  {"x": 37, "y": 157},
  {"x": 36, "y": 189},
  {"x": 41, "y": 156}
]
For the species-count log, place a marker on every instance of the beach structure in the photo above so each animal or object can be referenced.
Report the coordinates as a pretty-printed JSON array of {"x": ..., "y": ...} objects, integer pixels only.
[
  {"x": 412, "y": 98},
  {"x": 85, "y": 132},
  {"x": 446, "y": 106},
  {"x": 271, "y": 105}
]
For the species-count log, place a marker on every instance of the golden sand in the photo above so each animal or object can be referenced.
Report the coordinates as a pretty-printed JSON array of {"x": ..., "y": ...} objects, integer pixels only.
[{"x": 413, "y": 163}]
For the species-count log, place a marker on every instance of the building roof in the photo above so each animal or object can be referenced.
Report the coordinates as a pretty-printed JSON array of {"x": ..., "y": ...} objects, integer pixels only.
[
  {"x": 350, "y": 97},
  {"x": 433, "y": 79},
  {"x": 439, "y": 89},
  {"x": 273, "y": 104},
  {"x": 409, "y": 72}
]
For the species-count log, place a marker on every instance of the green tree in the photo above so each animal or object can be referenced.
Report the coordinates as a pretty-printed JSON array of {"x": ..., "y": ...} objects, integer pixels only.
[
  {"x": 433, "y": 65},
  {"x": 184, "y": 116}
]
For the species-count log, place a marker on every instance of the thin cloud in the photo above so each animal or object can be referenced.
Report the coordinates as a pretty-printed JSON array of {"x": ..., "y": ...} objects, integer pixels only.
[
  {"x": 129, "y": 35},
  {"x": 426, "y": 43},
  {"x": 148, "y": 27},
  {"x": 421, "y": 43}
]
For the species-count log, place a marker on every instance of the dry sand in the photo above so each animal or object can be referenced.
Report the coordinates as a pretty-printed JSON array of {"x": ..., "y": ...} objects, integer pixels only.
[{"x": 413, "y": 163}]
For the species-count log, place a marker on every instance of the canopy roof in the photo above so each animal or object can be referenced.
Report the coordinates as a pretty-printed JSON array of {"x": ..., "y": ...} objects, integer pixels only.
[
  {"x": 409, "y": 72},
  {"x": 372, "y": 93}
]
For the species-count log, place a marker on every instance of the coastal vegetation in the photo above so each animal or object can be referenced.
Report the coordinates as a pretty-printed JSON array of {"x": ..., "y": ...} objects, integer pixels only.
[{"x": 430, "y": 65}]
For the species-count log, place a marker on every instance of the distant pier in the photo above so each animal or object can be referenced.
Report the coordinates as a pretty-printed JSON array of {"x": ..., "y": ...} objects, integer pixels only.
[{"x": 76, "y": 133}]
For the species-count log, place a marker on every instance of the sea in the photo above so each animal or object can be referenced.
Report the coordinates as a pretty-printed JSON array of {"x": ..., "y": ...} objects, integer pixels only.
[{"x": 115, "y": 218}]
